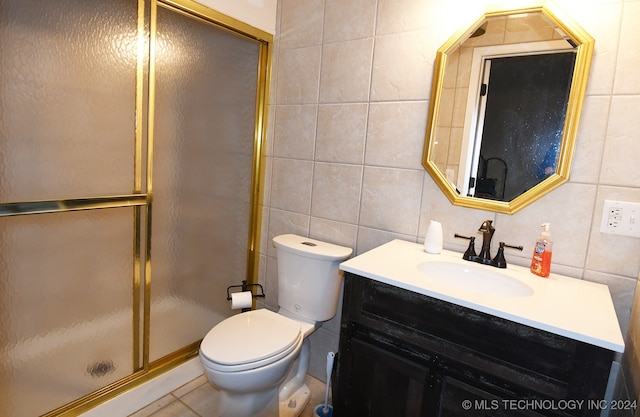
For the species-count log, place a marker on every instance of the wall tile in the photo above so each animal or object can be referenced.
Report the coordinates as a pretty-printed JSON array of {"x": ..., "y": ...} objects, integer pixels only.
[
  {"x": 295, "y": 129},
  {"x": 341, "y": 132},
  {"x": 395, "y": 134},
  {"x": 396, "y": 16},
  {"x": 622, "y": 147},
  {"x": 349, "y": 20},
  {"x": 369, "y": 238},
  {"x": 346, "y": 71},
  {"x": 291, "y": 185},
  {"x": 282, "y": 222},
  {"x": 336, "y": 192},
  {"x": 570, "y": 225},
  {"x": 403, "y": 66},
  {"x": 298, "y": 76},
  {"x": 264, "y": 231},
  {"x": 626, "y": 77},
  {"x": 271, "y": 285},
  {"x": 275, "y": 64},
  {"x": 262, "y": 276},
  {"x": 391, "y": 199},
  {"x": 271, "y": 127},
  {"x": 340, "y": 233},
  {"x": 301, "y": 23},
  {"x": 268, "y": 168},
  {"x": 601, "y": 19},
  {"x": 452, "y": 18},
  {"x": 587, "y": 156},
  {"x": 322, "y": 341}
]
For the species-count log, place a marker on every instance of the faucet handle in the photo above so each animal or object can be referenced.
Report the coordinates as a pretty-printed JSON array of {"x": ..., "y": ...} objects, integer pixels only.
[
  {"x": 470, "y": 254},
  {"x": 487, "y": 227},
  {"x": 499, "y": 261}
]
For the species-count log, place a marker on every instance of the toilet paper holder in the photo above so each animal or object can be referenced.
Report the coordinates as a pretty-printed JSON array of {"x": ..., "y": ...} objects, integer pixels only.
[{"x": 245, "y": 286}]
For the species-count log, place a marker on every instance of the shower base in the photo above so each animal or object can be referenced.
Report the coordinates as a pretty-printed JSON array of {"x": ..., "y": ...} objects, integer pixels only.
[{"x": 45, "y": 372}]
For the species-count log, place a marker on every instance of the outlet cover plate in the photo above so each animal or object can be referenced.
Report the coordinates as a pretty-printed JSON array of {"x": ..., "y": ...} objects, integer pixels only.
[{"x": 621, "y": 218}]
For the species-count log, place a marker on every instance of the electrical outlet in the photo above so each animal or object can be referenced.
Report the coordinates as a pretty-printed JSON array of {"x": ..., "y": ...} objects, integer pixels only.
[{"x": 621, "y": 218}]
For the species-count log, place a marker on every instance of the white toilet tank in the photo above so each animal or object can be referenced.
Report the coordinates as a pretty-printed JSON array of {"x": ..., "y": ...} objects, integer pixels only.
[{"x": 309, "y": 278}]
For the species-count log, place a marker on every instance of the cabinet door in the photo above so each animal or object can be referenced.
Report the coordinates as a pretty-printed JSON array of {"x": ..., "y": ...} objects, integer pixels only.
[
  {"x": 383, "y": 384},
  {"x": 461, "y": 399}
]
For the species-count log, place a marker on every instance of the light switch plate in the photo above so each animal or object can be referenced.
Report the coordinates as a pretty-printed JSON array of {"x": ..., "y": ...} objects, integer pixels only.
[{"x": 621, "y": 218}]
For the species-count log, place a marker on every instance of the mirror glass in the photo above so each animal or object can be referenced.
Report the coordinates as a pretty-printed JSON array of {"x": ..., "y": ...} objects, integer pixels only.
[{"x": 505, "y": 105}]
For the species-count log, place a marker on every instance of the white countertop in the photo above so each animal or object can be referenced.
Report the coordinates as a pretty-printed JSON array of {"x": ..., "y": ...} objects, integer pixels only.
[{"x": 570, "y": 307}]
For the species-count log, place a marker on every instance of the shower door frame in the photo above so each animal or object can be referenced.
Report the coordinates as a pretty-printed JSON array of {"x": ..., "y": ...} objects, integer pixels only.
[
  {"x": 141, "y": 197},
  {"x": 265, "y": 41}
]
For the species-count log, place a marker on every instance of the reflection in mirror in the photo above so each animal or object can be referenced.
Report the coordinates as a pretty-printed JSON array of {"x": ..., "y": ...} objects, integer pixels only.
[
  {"x": 524, "y": 103},
  {"x": 504, "y": 110}
]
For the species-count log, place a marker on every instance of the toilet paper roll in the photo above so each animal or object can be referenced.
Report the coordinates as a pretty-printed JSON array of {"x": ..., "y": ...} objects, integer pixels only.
[{"x": 242, "y": 299}]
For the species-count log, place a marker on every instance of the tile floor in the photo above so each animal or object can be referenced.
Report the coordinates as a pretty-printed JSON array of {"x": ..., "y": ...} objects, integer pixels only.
[{"x": 199, "y": 398}]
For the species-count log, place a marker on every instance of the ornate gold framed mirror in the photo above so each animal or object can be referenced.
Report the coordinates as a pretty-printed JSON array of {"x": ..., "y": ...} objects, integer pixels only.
[{"x": 506, "y": 100}]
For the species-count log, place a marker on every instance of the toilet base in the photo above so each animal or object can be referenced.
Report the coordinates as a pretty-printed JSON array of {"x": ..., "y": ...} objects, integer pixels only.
[
  {"x": 262, "y": 404},
  {"x": 293, "y": 406},
  {"x": 285, "y": 399}
]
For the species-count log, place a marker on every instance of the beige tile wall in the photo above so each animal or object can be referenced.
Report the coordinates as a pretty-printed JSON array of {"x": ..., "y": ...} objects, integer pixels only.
[{"x": 350, "y": 91}]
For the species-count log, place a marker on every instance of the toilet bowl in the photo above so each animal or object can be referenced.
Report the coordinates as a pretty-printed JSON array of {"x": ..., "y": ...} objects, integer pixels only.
[
  {"x": 259, "y": 359},
  {"x": 248, "y": 357}
]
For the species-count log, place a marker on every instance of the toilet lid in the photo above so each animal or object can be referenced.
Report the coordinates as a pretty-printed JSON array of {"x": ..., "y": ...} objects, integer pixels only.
[{"x": 249, "y": 337}]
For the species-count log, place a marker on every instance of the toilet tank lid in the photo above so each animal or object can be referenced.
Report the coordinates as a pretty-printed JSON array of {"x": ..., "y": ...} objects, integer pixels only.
[{"x": 311, "y": 248}]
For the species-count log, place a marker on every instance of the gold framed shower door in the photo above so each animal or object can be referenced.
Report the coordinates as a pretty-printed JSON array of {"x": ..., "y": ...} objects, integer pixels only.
[{"x": 143, "y": 47}]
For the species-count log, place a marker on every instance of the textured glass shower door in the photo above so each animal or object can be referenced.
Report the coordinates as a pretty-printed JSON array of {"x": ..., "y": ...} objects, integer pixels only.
[
  {"x": 66, "y": 323},
  {"x": 205, "y": 112},
  {"x": 129, "y": 168},
  {"x": 67, "y": 123}
]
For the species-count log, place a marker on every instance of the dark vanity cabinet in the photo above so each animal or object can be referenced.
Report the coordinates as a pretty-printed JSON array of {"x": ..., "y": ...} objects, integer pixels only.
[{"x": 406, "y": 354}]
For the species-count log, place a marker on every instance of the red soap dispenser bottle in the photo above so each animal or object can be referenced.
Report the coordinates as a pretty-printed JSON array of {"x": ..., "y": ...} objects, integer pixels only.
[{"x": 541, "y": 260}]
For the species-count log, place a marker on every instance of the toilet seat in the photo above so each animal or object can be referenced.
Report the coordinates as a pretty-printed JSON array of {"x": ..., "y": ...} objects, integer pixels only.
[{"x": 250, "y": 340}]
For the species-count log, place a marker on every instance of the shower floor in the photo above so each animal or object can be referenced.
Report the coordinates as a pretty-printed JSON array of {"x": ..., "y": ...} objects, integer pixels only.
[{"x": 46, "y": 372}]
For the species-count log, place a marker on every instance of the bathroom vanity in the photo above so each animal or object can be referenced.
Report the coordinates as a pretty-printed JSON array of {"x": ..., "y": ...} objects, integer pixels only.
[{"x": 414, "y": 344}]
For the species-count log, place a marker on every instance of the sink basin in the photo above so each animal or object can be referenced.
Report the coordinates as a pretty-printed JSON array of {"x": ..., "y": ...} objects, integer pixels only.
[{"x": 475, "y": 278}]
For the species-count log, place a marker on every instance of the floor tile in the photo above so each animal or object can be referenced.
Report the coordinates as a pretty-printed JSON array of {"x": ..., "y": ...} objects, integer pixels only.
[
  {"x": 154, "y": 406},
  {"x": 175, "y": 409},
  {"x": 190, "y": 386},
  {"x": 205, "y": 400},
  {"x": 198, "y": 398}
]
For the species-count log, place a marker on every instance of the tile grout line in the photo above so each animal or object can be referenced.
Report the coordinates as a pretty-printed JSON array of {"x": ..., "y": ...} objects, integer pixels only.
[{"x": 189, "y": 408}]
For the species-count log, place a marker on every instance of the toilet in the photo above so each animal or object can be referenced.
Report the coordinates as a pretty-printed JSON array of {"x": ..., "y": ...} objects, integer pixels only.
[{"x": 259, "y": 359}]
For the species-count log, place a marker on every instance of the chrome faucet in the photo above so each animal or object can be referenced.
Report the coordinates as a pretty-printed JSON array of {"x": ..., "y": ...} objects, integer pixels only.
[{"x": 487, "y": 230}]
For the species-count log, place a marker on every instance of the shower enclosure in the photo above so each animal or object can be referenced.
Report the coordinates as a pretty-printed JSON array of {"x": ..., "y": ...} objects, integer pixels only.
[{"x": 130, "y": 166}]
